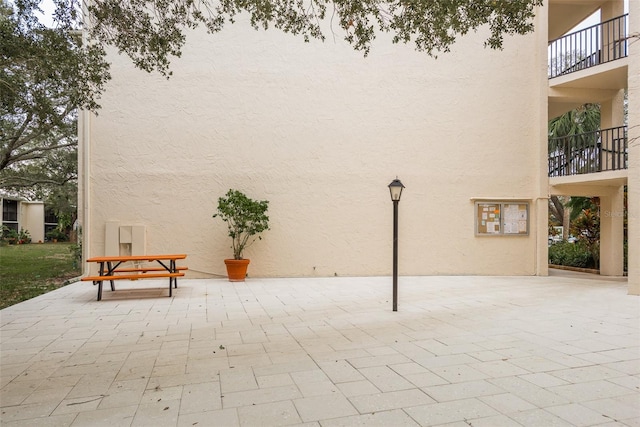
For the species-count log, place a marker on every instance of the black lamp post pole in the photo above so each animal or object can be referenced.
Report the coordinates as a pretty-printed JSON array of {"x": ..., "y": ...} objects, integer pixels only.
[
  {"x": 395, "y": 189},
  {"x": 395, "y": 255}
]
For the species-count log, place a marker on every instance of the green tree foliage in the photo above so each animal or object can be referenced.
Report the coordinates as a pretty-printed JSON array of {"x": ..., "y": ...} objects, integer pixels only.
[
  {"x": 587, "y": 228},
  {"x": 585, "y": 225},
  {"x": 583, "y": 119},
  {"x": 52, "y": 179},
  {"x": 577, "y": 205},
  {"x": 45, "y": 75},
  {"x": 32, "y": 179}
]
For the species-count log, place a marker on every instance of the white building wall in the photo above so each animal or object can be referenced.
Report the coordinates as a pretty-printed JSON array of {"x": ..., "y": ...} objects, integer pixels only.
[
  {"x": 32, "y": 219},
  {"x": 320, "y": 131}
]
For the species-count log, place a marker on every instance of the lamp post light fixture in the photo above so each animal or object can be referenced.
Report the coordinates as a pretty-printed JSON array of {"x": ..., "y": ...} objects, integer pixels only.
[{"x": 395, "y": 188}]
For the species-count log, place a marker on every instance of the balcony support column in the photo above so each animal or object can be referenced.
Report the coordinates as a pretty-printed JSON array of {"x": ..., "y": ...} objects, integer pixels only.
[
  {"x": 612, "y": 233},
  {"x": 612, "y": 111},
  {"x": 612, "y": 32}
]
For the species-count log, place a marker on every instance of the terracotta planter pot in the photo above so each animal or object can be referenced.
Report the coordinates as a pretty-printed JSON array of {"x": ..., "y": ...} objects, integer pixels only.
[{"x": 236, "y": 269}]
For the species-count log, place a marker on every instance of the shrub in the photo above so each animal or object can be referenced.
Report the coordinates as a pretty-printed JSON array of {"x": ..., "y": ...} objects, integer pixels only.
[
  {"x": 57, "y": 234},
  {"x": 8, "y": 235},
  {"x": 12, "y": 237},
  {"x": 571, "y": 254}
]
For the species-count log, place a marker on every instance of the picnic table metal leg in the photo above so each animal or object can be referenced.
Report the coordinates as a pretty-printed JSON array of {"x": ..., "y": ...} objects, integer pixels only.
[
  {"x": 174, "y": 270},
  {"x": 110, "y": 273},
  {"x": 101, "y": 270}
]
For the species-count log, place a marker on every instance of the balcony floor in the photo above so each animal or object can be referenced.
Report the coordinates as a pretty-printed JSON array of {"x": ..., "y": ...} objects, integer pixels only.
[{"x": 590, "y": 184}]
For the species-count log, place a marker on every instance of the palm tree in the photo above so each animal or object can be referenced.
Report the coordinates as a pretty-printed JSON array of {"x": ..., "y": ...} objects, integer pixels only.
[
  {"x": 573, "y": 141},
  {"x": 570, "y": 135}
]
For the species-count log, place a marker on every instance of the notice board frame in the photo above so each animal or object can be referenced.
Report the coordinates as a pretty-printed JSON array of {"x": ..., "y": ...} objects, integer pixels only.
[{"x": 502, "y": 217}]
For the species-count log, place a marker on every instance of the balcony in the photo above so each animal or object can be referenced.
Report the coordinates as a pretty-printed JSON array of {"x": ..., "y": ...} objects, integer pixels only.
[
  {"x": 595, "y": 45},
  {"x": 599, "y": 151}
]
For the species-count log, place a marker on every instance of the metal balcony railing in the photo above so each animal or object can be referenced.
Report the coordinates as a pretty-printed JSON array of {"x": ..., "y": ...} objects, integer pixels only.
[
  {"x": 598, "y": 44},
  {"x": 602, "y": 150}
]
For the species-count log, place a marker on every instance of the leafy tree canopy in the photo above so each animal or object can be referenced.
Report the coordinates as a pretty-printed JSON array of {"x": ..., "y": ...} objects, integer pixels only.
[
  {"x": 45, "y": 75},
  {"x": 583, "y": 119}
]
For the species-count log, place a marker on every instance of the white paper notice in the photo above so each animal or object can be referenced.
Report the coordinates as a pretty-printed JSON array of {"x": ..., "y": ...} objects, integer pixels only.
[{"x": 493, "y": 227}]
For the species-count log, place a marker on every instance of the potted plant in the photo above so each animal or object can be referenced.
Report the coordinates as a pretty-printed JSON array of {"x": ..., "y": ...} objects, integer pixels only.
[{"x": 246, "y": 219}]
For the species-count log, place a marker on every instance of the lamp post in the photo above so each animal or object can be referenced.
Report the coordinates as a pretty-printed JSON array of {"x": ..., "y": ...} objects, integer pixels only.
[{"x": 395, "y": 188}]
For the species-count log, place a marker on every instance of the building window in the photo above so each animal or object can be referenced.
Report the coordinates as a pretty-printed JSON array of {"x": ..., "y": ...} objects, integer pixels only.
[
  {"x": 10, "y": 214},
  {"x": 50, "y": 221}
]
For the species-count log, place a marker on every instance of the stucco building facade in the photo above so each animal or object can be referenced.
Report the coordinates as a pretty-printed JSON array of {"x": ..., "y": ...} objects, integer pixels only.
[
  {"x": 320, "y": 131},
  {"x": 18, "y": 214}
]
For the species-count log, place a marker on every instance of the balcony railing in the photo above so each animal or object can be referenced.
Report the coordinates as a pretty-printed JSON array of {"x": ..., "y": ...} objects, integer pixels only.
[
  {"x": 602, "y": 150},
  {"x": 598, "y": 44}
]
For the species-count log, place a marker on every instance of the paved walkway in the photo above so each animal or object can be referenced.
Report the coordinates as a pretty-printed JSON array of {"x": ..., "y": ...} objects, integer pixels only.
[{"x": 461, "y": 351}]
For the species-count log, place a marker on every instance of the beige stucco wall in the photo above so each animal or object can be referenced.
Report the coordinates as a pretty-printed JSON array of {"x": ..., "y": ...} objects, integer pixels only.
[{"x": 320, "y": 131}]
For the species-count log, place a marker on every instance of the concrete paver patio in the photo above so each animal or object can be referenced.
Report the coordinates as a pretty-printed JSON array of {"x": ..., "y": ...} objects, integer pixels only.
[{"x": 562, "y": 350}]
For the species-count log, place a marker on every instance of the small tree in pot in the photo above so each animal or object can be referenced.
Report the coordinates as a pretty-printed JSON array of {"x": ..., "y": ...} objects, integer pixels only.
[{"x": 246, "y": 219}]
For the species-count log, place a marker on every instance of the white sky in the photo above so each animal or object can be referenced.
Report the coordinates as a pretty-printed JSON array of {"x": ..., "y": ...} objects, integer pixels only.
[
  {"x": 46, "y": 17},
  {"x": 591, "y": 20}
]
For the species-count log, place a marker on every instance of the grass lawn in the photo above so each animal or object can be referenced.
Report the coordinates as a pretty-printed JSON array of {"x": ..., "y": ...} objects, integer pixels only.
[{"x": 27, "y": 271}]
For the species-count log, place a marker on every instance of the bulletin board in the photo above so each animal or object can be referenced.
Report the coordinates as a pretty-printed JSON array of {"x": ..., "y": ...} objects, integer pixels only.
[{"x": 496, "y": 218}]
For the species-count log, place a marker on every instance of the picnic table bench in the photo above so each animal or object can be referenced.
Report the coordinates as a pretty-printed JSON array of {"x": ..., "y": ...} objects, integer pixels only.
[{"x": 109, "y": 269}]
